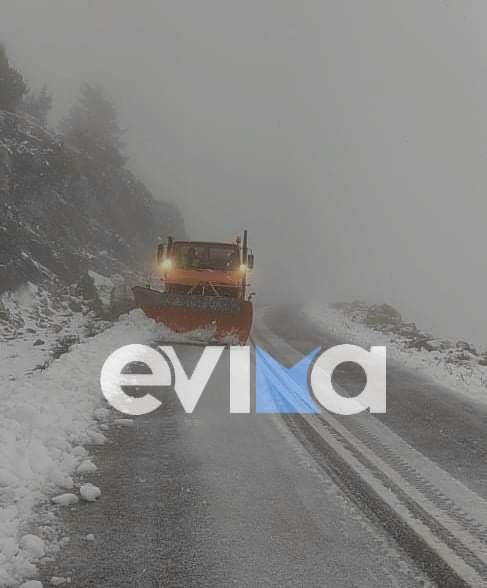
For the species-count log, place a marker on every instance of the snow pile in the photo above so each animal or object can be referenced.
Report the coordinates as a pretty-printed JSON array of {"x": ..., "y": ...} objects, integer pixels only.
[
  {"x": 33, "y": 545},
  {"x": 45, "y": 418},
  {"x": 65, "y": 499},
  {"x": 58, "y": 581},
  {"x": 89, "y": 492},
  {"x": 86, "y": 467},
  {"x": 31, "y": 584},
  {"x": 456, "y": 366}
]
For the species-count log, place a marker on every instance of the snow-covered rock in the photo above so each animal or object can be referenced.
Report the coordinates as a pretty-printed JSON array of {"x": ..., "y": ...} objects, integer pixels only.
[
  {"x": 86, "y": 467},
  {"x": 382, "y": 315},
  {"x": 65, "y": 499},
  {"x": 34, "y": 545},
  {"x": 89, "y": 492},
  {"x": 124, "y": 422},
  {"x": 79, "y": 451},
  {"x": 103, "y": 286},
  {"x": 97, "y": 438}
]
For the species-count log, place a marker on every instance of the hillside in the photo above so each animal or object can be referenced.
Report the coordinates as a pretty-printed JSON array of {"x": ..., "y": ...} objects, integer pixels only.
[{"x": 60, "y": 216}]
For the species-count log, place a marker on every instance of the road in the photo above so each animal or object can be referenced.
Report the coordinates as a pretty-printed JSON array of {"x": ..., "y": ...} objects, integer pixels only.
[
  {"x": 213, "y": 499},
  {"x": 420, "y": 468},
  {"x": 444, "y": 426}
]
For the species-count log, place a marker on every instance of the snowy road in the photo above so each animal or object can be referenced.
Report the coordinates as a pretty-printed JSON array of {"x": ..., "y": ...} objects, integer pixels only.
[
  {"x": 213, "y": 499},
  {"x": 444, "y": 426},
  {"x": 420, "y": 468}
]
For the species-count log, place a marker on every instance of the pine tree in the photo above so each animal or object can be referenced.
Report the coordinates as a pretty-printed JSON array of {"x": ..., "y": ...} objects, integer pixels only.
[
  {"x": 92, "y": 127},
  {"x": 12, "y": 84},
  {"x": 38, "y": 105}
]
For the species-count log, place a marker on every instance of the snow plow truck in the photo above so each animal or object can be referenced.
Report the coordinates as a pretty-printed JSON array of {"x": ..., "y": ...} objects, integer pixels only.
[{"x": 204, "y": 290}]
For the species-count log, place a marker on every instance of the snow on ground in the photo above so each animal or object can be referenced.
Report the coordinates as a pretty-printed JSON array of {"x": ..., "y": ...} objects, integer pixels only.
[
  {"x": 469, "y": 379},
  {"x": 45, "y": 419},
  {"x": 103, "y": 285},
  {"x": 35, "y": 326}
]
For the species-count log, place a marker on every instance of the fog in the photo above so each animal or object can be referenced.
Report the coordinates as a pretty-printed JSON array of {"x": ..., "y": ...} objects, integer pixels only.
[{"x": 349, "y": 137}]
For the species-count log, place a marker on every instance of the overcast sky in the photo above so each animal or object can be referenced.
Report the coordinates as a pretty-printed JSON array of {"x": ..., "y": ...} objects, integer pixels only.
[{"x": 349, "y": 137}]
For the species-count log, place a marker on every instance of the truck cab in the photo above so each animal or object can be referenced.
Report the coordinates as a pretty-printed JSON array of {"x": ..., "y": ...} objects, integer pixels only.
[{"x": 204, "y": 268}]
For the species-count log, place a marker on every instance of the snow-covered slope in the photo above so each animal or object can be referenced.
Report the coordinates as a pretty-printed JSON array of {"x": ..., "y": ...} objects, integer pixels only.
[
  {"x": 61, "y": 215},
  {"x": 74, "y": 235},
  {"x": 456, "y": 365}
]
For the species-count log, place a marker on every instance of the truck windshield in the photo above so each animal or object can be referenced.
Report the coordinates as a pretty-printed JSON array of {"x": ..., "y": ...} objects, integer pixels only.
[{"x": 218, "y": 257}]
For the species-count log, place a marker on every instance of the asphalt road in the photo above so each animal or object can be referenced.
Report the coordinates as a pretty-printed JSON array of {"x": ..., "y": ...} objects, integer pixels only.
[
  {"x": 213, "y": 499},
  {"x": 443, "y": 425}
]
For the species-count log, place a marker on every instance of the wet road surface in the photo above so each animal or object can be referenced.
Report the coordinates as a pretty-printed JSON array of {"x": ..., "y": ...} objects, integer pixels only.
[
  {"x": 213, "y": 499},
  {"x": 445, "y": 426}
]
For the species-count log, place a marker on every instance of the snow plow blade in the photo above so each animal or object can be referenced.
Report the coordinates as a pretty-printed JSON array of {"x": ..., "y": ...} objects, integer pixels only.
[{"x": 216, "y": 319}]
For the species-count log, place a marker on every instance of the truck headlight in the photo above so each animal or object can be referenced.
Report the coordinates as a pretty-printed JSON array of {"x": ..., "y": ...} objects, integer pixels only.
[{"x": 166, "y": 265}]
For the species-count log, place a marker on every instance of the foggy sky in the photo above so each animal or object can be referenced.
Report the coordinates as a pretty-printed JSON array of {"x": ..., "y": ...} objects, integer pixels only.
[{"x": 349, "y": 137}]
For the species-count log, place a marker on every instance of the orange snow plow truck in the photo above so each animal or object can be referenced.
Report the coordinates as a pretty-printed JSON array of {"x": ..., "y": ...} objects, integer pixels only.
[{"x": 204, "y": 290}]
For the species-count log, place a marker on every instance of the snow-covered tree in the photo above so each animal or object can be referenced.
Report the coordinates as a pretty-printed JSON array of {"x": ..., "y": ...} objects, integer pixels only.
[
  {"x": 92, "y": 127},
  {"x": 12, "y": 84},
  {"x": 38, "y": 105}
]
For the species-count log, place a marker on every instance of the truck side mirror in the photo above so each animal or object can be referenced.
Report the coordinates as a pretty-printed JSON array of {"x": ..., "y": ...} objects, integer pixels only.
[
  {"x": 160, "y": 252},
  {"x": 250, "y": 261}
]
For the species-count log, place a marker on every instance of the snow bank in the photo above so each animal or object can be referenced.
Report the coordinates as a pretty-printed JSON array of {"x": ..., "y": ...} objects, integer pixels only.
[
  {"x": 469, "y": 379},
  {"x": 45, "y": 418}
]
